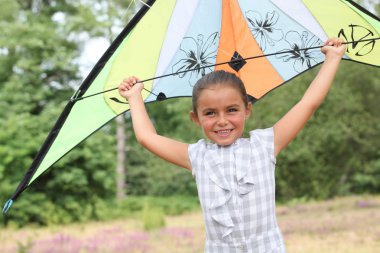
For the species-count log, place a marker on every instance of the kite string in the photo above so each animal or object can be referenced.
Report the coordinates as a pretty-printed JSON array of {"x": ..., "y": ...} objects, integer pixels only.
[
  {"x": 76, "y": 98},
  {"x": 147, "y": 5}
]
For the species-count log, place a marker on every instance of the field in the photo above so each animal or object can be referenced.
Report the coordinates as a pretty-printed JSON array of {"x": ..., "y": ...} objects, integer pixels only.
[{"x": 349, "y": 225}]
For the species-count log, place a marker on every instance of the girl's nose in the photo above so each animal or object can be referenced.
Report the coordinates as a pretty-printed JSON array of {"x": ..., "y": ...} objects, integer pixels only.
[{"x": 222, "y": 120}]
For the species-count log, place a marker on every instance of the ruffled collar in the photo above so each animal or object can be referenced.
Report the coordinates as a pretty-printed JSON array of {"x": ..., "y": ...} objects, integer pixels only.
[{"x": 244, "y": 175}]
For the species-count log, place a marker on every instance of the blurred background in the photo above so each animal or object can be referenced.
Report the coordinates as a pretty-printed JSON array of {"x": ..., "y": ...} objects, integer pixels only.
[{"x": 102, "y": 199}]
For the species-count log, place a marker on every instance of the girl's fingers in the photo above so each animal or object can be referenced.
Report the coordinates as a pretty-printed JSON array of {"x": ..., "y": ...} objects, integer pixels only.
[
  {"x": 132, "y": 80},
  {"x": 125, "y": 85},
  {"x": 335, "y": 42},
  {"x": 128, "y": 83},
  {"x": 338, "y": 42}
]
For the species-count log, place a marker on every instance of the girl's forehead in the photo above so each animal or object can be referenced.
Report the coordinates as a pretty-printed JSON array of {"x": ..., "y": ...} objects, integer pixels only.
[
  {"x": 219, "y": 88},
  {"x": 219, "y": 95}
]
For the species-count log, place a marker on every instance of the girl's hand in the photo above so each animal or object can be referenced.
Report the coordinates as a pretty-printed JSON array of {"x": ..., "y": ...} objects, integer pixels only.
[
  {"x": 130, "y": 87},
  {"x": 334, "y": 47}
]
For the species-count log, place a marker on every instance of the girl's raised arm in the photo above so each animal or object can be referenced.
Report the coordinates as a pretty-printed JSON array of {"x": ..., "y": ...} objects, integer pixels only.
[
  {"x": 286, "y": 129},
  {"x": 168, "y": 149}
]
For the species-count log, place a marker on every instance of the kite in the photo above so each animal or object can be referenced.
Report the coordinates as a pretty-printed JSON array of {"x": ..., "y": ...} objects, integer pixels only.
[{"x": 173, "y": 43}]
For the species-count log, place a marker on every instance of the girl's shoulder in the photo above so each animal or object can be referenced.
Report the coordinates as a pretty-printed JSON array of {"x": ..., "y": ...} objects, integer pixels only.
[
  {"x": 198, "y": 152},
  {"x": 264, "y": 139},
  {"x": 197, "y": 148},
  {"x": 262, "y": 134}
]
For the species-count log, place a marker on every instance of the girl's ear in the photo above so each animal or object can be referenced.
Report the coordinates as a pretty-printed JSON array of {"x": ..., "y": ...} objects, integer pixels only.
[
  {"x": 248, "y": 110},
  {"x": 194, "y": 118}
]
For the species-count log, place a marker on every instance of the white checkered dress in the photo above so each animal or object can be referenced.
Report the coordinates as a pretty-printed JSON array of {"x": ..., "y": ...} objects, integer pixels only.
[{"x": 236, "y": 188}]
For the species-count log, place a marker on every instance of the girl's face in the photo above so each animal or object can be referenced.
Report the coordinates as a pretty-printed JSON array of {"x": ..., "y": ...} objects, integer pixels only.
[{"x": 221, "y": 113}]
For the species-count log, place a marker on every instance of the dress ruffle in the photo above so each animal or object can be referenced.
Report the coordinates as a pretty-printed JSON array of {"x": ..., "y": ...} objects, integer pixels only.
[{"x": 218, "y": 209}]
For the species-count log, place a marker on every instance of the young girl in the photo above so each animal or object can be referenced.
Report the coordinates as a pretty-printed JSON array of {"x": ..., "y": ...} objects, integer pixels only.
[{"x": 234, "y": 175}]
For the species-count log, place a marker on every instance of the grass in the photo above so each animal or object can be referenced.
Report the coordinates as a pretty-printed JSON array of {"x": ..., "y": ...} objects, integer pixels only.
[
  {"x": 346, "y": 225},
  {"x": 350, "y": 224}
]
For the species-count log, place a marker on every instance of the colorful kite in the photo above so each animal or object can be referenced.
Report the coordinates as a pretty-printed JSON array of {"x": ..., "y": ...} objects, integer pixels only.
[{"x": 267, "y": 43}]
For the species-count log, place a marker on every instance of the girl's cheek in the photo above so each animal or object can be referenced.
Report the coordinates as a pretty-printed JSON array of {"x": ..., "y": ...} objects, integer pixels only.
[{"x": 207, "y": 123}]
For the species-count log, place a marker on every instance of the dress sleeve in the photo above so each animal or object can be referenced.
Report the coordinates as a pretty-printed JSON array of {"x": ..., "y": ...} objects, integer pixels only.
[
  {"x": 266, "y": 139},
  {"x": 195, "y": 153}
]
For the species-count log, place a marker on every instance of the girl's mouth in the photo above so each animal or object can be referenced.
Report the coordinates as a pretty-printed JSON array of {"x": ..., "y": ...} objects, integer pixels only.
[{"x": 223, "y": 133}]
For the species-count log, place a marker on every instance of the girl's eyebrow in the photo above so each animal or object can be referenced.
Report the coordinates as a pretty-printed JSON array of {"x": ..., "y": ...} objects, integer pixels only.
[
  {"x": 212, "y": 108},
  {"x": 208, "y": 109},
  {"x": 233, "y": 105}
]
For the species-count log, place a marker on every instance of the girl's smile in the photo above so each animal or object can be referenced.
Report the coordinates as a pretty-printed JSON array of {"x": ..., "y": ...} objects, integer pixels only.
[{"x": 221, "y": 112}]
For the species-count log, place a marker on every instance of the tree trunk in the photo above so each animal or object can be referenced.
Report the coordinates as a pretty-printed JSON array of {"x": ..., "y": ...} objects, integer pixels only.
[{"x": 120, "y": 167}]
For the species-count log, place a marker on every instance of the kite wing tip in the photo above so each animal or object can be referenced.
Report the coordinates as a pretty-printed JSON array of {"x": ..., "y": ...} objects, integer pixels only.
[{"x": 7, "y": 206}]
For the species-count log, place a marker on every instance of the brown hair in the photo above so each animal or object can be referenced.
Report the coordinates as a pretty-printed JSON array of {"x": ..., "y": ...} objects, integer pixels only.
[{"x": 219, "y": 77}]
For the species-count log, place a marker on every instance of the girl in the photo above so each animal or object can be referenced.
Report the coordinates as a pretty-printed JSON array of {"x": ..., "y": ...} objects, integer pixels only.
[{"x": 234, "y": 175}]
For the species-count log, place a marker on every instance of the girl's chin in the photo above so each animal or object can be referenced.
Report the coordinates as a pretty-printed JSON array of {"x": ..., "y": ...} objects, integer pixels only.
[{"x": 224, "y": 142}]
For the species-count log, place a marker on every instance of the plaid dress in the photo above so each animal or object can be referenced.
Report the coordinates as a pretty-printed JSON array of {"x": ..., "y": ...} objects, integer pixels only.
[{"x": 236, "y": 188}]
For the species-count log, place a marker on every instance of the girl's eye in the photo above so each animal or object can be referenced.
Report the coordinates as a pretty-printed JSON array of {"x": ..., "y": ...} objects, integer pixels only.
[
  {"x": 232, "y": 110},
  {"x": 210, "y": 113}
]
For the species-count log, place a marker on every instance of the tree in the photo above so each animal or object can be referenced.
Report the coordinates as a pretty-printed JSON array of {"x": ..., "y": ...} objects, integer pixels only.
[
  {"x": 39, "y": 44},
  {"x": 110, "y": 17}
]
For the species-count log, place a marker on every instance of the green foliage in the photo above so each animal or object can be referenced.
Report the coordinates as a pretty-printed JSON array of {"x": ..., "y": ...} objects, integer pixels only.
[
  {"x": 368, "y": 180},
  {"x": 149, "y": 175},
  {"x": 153, "y": 218},
  {"x": 37, "y": 73},
  {"x": 159, "y": 178},
  {"x": 134, "y": 206}
]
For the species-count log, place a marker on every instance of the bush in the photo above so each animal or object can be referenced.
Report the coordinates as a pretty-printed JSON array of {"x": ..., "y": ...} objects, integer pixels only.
[
  {"x": 44, "y": 212},
  {"x": 152, "y": 218}
]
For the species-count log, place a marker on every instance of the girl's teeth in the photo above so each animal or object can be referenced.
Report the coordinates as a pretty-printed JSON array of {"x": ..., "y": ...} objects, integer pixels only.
[{"x": 224, "y": 132}]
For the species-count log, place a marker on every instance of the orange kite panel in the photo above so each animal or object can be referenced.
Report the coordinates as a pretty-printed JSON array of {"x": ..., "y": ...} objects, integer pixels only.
[{"x": 236, "y": 39}]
